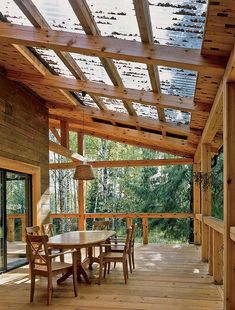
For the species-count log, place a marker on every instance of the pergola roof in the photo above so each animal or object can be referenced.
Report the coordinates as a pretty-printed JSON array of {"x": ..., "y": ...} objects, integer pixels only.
[{"x": 132, "y": 71}]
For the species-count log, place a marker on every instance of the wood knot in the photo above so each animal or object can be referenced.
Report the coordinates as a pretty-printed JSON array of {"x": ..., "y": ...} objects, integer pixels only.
[{"x": 229, "y": 181}]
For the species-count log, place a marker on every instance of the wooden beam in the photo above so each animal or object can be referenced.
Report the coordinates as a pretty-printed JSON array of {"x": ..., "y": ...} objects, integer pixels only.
[
  {"x": 37, "y": 20},
  {"x": 169, "y": 56},
  {"x": 206, "y": 197},
  {"x": 83, "y": 13},
  {"x": 64, "y": 129},
  {"x": 229, "y": 195},
  {"x": 146, "y": 34},
  {"x": 215, "y": 118},
  {"x": 165, "y": 144},
  {"x": 56, "y": 134},
  {"x": 126, "y": 163},
  {"x": 141, "y": 96},
  {"x": 196, "y": 206},
  {"x": 57, "y": 148}
]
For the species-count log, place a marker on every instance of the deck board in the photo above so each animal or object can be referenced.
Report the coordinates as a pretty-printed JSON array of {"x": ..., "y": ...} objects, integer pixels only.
[{"x": 166, "y": 277}]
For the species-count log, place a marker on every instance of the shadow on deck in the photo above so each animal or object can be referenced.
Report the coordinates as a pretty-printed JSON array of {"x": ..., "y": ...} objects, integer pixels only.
[{"x": 166, "y": 277}]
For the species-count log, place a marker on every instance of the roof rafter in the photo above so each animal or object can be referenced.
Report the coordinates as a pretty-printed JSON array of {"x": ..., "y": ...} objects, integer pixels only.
[
  {"x": 146, "y": 34},
  {"x": 141, "y": 96},
  {"x": 82, "y": 11},
  {"x": 37, "y": 20},
  {"x": 169, "y": 56}
]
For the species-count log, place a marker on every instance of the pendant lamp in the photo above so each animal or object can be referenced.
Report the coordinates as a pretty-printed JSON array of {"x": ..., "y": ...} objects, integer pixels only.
[{"x": 84, "y": 172}]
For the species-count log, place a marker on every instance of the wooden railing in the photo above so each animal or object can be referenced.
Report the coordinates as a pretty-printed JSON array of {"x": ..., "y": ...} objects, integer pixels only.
[
  {"x": 128, "y": 216},
  {"x": 215, "y": 246},
  {"x": 11, "y": 226}
]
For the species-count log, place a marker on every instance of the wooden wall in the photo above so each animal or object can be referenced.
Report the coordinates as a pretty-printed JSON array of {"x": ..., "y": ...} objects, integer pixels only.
[{"x": 24, "y": 132}]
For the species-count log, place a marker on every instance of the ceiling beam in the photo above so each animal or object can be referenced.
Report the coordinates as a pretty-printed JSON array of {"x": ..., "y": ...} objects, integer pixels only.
[
  {"x": 83, "y": 13},
  {"x": 37, "y": 20},
  {"x": 123, "y": 119},
  {"x": 146, "y": 34},
  {"x": 139, "y": 138},
  {"x": 141, "y": 96},
  {"x": 59, "y": 149},
  {"x": 109, "y": 47},
  {"x": 215, "y": 118},
  {"x": 126, "y": 163}
]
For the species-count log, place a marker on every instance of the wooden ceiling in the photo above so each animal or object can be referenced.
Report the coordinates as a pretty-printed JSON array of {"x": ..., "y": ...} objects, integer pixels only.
[{"x": 57, "y": 92}]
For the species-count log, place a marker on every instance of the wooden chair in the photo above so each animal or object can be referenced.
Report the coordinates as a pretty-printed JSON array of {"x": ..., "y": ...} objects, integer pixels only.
[
  {"x": 108, "y": 257},
  {"x": 47, "y": 229},
  {"x": 42, "y": 264},
  {"x": 117, "y": 245},
  {"x": 32, "y": 230},
  {"x": 100, "y": 225}
]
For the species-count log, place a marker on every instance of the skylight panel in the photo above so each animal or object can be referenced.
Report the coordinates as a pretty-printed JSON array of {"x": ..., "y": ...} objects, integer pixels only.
[
  {"x": 177, "y": 82},
  {"x": 11, "y": 11},
  {"x": 59, "y": 15},
  {"x": 115, "y": 18},
  {"x": 92, "y": 68},
  {"x": 178, "y": 22},
  {"x": 145, "y": 110},
  {"x": 177, "y": 116},
  {"x": 114, "y": 105},
  {"x": 133, "y": 74}
]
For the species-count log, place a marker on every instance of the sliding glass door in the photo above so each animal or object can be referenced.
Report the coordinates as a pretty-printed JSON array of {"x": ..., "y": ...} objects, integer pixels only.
[{"x": 15, "y": 210}]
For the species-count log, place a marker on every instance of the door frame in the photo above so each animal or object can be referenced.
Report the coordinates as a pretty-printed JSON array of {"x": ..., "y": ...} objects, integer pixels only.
[{"x": 35, "y": 172}]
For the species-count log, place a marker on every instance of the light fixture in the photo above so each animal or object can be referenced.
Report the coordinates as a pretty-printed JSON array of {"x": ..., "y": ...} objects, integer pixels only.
[{"x": 84, "y": 172}]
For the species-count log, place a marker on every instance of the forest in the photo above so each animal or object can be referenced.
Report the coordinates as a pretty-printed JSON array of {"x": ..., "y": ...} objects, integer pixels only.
[{"x": 133, "y": 190}]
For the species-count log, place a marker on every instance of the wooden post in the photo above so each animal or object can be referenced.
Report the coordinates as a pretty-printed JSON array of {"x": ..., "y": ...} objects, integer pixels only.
[
  {"x": 206, "y": 197},
  {"x": 211, "y": 246},
  {"x": 229, "y": 195},
  {"x": 81, "y": 189},
  {"x": 145, "y": 231},
  {"x": 64, "y": 132},
  {"x": 196, "y": 207},
  {"x": 128, "y": 222},
  {"x": 23, "y": 225},
  {"x": 11, "y": 229},
  {"x": 217, "y": 257}
]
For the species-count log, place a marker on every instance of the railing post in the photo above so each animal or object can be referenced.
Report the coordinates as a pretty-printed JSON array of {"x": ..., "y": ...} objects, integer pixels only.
[
  {"x": 196, "y": 206},
  {"x": 23, "y": 225},
  {"x": 217, "y": 257},
  {"x": 11, "y": 229},
  {"x": 81, "y": 189},
  {"x": 145, "y": 230},
  {"x": 211, "y": 251},
  {"x": 128, "y": 222}
]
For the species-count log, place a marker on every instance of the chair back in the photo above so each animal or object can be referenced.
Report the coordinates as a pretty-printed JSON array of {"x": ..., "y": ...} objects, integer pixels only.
[
  {"x": 100, "y": 225},
  {"x": 37, "y": 251},
  {"x": 47, "y": 229},
  {"x": 32, "y": 230},
  {"x": 133, "y": 234},
  {"x": 128, "y": 240}
]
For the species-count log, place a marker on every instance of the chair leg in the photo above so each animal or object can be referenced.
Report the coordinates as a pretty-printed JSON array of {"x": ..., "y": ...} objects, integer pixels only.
[
  {"x": 105, "y": 269},
  {"x": 124, "y": 266},
  {"x": 130, "y": 262},
  {"x": 75, "y": 271},
  {"x": 49, "y": 290},
  {"x": 100, "y": 272},
  {"x": 133, "y": 259},
  {"x": 109, "y": 267},
  {"x": 32, "y": 287}
]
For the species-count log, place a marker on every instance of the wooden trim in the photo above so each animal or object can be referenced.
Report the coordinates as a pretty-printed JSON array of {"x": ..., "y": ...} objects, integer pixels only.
[
  {"x": 35, "y": 171},
  {"x": 170, "y": 56},
  {"x": 126, "y": 163},
  {"x": 109, "y": 91},
  {"x": 126, "y": 215}
]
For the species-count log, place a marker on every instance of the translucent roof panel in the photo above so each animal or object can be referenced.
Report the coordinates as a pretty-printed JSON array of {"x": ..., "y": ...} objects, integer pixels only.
[
  {"x": 59, "y": 15},
  {"x": 92, "y": 68},
  {"x": 177, "y": 116},
  {"x": 178, "y": 22},
  {"x": 145, "y": 110},
  {"x": 114, "y": 105},
  {"x": 11, "y": 11},
  {"x": 133, "y": 74},
  {"x": 177, "y": 82},
  {"x": 115, "y": 18}
]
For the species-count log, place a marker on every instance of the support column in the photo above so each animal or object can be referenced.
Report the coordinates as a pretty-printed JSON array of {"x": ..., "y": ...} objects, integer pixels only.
[
  {"x": 206, "y": 197},
  {"x": 196, "y": 207},
  {"x": 229, "y": 195},
  {"x": 145, "y": 231},
  {"x": 81, "y": 189},
  {"x": 64, "y": 132}
]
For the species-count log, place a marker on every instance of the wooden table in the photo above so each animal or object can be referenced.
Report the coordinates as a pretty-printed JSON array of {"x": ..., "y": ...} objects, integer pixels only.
[{"x": 78, "y": 240}]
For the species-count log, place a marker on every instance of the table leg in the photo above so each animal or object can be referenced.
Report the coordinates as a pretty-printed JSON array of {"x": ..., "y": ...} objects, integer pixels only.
[{"x": 80, "y": 270}]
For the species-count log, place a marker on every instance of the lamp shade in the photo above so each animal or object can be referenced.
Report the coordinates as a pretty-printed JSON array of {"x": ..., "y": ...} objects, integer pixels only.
[{"x": 84, "y": 172}]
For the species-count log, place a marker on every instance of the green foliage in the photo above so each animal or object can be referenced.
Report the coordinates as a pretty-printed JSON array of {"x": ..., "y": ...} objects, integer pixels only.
[{"x": 217, "y": 188}]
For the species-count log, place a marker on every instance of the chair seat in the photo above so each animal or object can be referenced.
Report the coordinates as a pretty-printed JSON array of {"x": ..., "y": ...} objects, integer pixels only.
[
  {"x": 113, "y": 255},
  {"x": 54, "y": 266}
]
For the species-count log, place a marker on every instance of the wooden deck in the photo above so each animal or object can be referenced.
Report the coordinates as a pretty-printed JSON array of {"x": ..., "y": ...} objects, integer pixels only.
[{"x": 166, "y": 277}]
